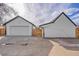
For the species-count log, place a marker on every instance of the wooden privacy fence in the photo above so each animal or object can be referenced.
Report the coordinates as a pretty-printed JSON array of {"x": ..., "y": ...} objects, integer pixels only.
[
  {"x": 77, "y": 32},
  {"x": 2, "y": 31},
  {"x": 38, "y": 32}
]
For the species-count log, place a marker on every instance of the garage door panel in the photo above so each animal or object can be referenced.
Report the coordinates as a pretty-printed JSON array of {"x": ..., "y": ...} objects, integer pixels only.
[{"x": 19, "y": 30}]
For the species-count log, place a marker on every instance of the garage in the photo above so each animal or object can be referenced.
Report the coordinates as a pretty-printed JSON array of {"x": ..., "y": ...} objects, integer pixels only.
[
  {"x": 61, "y": 27},
  {"x": 18, "y": 26}
]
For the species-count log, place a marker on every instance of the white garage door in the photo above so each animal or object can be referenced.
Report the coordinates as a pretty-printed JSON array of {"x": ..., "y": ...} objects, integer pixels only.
[{"x": 19, "y": 30}]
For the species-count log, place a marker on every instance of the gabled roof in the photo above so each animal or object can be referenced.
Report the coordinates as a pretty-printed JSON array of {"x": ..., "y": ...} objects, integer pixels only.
[
  {"x": 57, "y": 18},
  {"x": 19, "y": 17}
]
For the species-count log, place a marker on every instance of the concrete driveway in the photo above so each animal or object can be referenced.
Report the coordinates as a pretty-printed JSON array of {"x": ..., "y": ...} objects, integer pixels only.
[
  {"x": 25, "y": 46},
  {"x": 59, "y": 50},
  {"x": 70, "y": 44},
  {"x": 35, "y": 46}
]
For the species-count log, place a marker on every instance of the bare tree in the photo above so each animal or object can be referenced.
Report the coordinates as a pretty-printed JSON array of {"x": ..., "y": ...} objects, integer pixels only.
[{"x": 6, "y": 12}]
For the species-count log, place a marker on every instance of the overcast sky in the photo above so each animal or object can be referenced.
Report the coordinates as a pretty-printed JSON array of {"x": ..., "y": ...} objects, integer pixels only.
[{"x": 41, "y": 13}]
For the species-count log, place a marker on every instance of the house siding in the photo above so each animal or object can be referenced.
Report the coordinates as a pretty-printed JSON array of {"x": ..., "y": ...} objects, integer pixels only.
[
  {"x": 19, "y": 27},
  {"x": 62, "y": 27}
]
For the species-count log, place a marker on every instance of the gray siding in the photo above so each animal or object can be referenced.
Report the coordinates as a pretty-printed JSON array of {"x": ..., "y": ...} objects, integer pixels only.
[
  {"x": 18, "y": 22},
  {"x": 62, "y": 27},
  {"x": 19, "y": 27}
]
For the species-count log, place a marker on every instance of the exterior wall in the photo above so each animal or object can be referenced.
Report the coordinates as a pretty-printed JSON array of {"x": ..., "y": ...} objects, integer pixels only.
[
  {"x": 19, "y": 27},
  {"x": 62, "y": 27},
  {"x": 18, "y": 22}
]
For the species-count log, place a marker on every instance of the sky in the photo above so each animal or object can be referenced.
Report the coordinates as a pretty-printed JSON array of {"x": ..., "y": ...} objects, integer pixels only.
[{"x": 40, "y": 13}]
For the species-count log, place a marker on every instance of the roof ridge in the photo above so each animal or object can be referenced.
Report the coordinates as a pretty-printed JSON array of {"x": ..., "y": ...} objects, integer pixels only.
[
  {"x": 17, "y": 17},
  {"x": 57, "y": 18}
]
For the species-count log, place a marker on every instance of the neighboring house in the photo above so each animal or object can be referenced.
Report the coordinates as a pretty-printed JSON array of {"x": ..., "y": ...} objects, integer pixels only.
[
  {"x": 18, "y": 26},
  {"x": 61, "y": 27}
]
